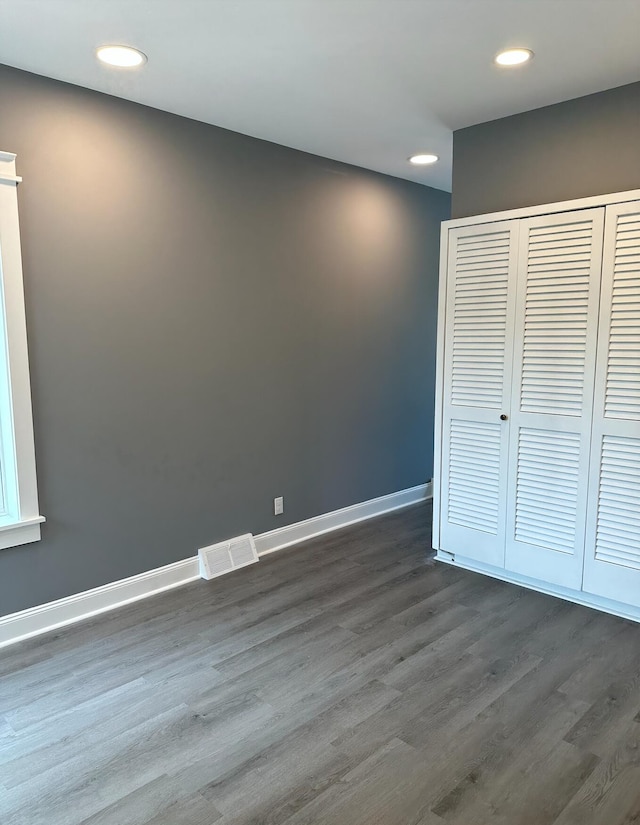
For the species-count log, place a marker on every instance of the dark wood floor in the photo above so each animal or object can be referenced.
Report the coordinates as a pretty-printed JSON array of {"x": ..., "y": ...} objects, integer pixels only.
[{"x": 352, "y": 681}]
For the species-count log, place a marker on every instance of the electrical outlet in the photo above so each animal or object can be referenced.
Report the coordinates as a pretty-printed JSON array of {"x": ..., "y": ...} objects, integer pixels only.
[{"x": 278, "y": 506}]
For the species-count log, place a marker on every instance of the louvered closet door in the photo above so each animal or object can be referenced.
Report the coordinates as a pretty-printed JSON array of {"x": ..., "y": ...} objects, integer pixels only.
[
  {"x": 478, "y": 341},
  {"x": 612, "y": 558},
  {"x": 559, "y": 269}
]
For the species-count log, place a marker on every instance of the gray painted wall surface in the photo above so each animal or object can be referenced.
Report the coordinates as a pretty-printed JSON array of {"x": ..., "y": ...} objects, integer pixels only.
[
  {"x": 213, "y": 321},
  {"x": 587, "y": 146}
]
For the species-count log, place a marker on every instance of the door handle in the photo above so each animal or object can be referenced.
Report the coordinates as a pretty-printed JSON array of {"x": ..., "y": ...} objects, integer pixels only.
[{"x": 503, "y": 417}]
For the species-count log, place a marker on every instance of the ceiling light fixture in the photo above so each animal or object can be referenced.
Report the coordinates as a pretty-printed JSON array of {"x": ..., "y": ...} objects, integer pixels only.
[
  {"x": 513, "y": 57},
  {"x": 423, "y": 159},
  {"x": 124, "y": 57}
]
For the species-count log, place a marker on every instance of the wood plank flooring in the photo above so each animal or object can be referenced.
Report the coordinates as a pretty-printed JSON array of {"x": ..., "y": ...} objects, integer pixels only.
[{"x": 352, "y": 681}]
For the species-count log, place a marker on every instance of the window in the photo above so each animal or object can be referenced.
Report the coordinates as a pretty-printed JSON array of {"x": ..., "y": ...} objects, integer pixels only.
[{"x": 20, "y": 518}]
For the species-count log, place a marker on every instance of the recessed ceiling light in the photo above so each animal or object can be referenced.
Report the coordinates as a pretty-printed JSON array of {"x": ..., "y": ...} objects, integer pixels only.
[
  {"x": 124, "y": 57},
  {"x": 513, "y": 57},
  {"x": 423, "y": 159}
]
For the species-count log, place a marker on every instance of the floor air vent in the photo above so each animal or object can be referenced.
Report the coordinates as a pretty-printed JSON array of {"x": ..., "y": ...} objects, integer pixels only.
[{"x": 226, "y": 556}]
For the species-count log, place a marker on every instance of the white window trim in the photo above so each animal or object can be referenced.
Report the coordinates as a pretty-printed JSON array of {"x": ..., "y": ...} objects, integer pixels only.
[{"x": 23, "y": 525}]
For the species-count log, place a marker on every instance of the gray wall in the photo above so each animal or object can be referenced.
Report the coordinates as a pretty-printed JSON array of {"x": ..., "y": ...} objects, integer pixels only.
[
  {"x": 213, "y": 321},
  {"x": 587, "y": 146}
]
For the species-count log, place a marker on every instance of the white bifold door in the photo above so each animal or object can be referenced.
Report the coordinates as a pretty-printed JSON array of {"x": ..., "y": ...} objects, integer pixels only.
[
  {"x": 612, "y": 560},
  {"x": 519, "y": 366},
  {"x": 481, "y": 284},
  {"x": 555, "y": 334}
]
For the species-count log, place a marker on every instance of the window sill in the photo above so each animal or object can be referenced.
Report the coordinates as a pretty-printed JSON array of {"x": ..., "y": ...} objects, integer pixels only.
[{"x": 20, "y": 532}]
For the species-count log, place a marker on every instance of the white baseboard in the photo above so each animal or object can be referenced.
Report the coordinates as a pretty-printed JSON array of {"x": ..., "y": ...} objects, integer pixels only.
[
  {"x": 625, "y": 611},
  {"x": 312, "y": 527},
  {"x": 46, "y": 617}
]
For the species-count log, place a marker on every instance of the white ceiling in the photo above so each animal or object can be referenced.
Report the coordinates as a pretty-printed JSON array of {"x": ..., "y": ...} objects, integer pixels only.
[{"x": 368, "y": 82}]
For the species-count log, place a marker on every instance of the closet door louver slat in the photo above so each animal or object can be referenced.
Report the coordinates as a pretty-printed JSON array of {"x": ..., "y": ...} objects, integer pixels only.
[
  {"x": 622, "y": 390},
  {"x": 618, "y": 530},
  {"x": 547, "y": 303},
  {"x": 552, "y": 462},
  {"x": 479, "y": 322},
  {"x": 468, "y": 504}
]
